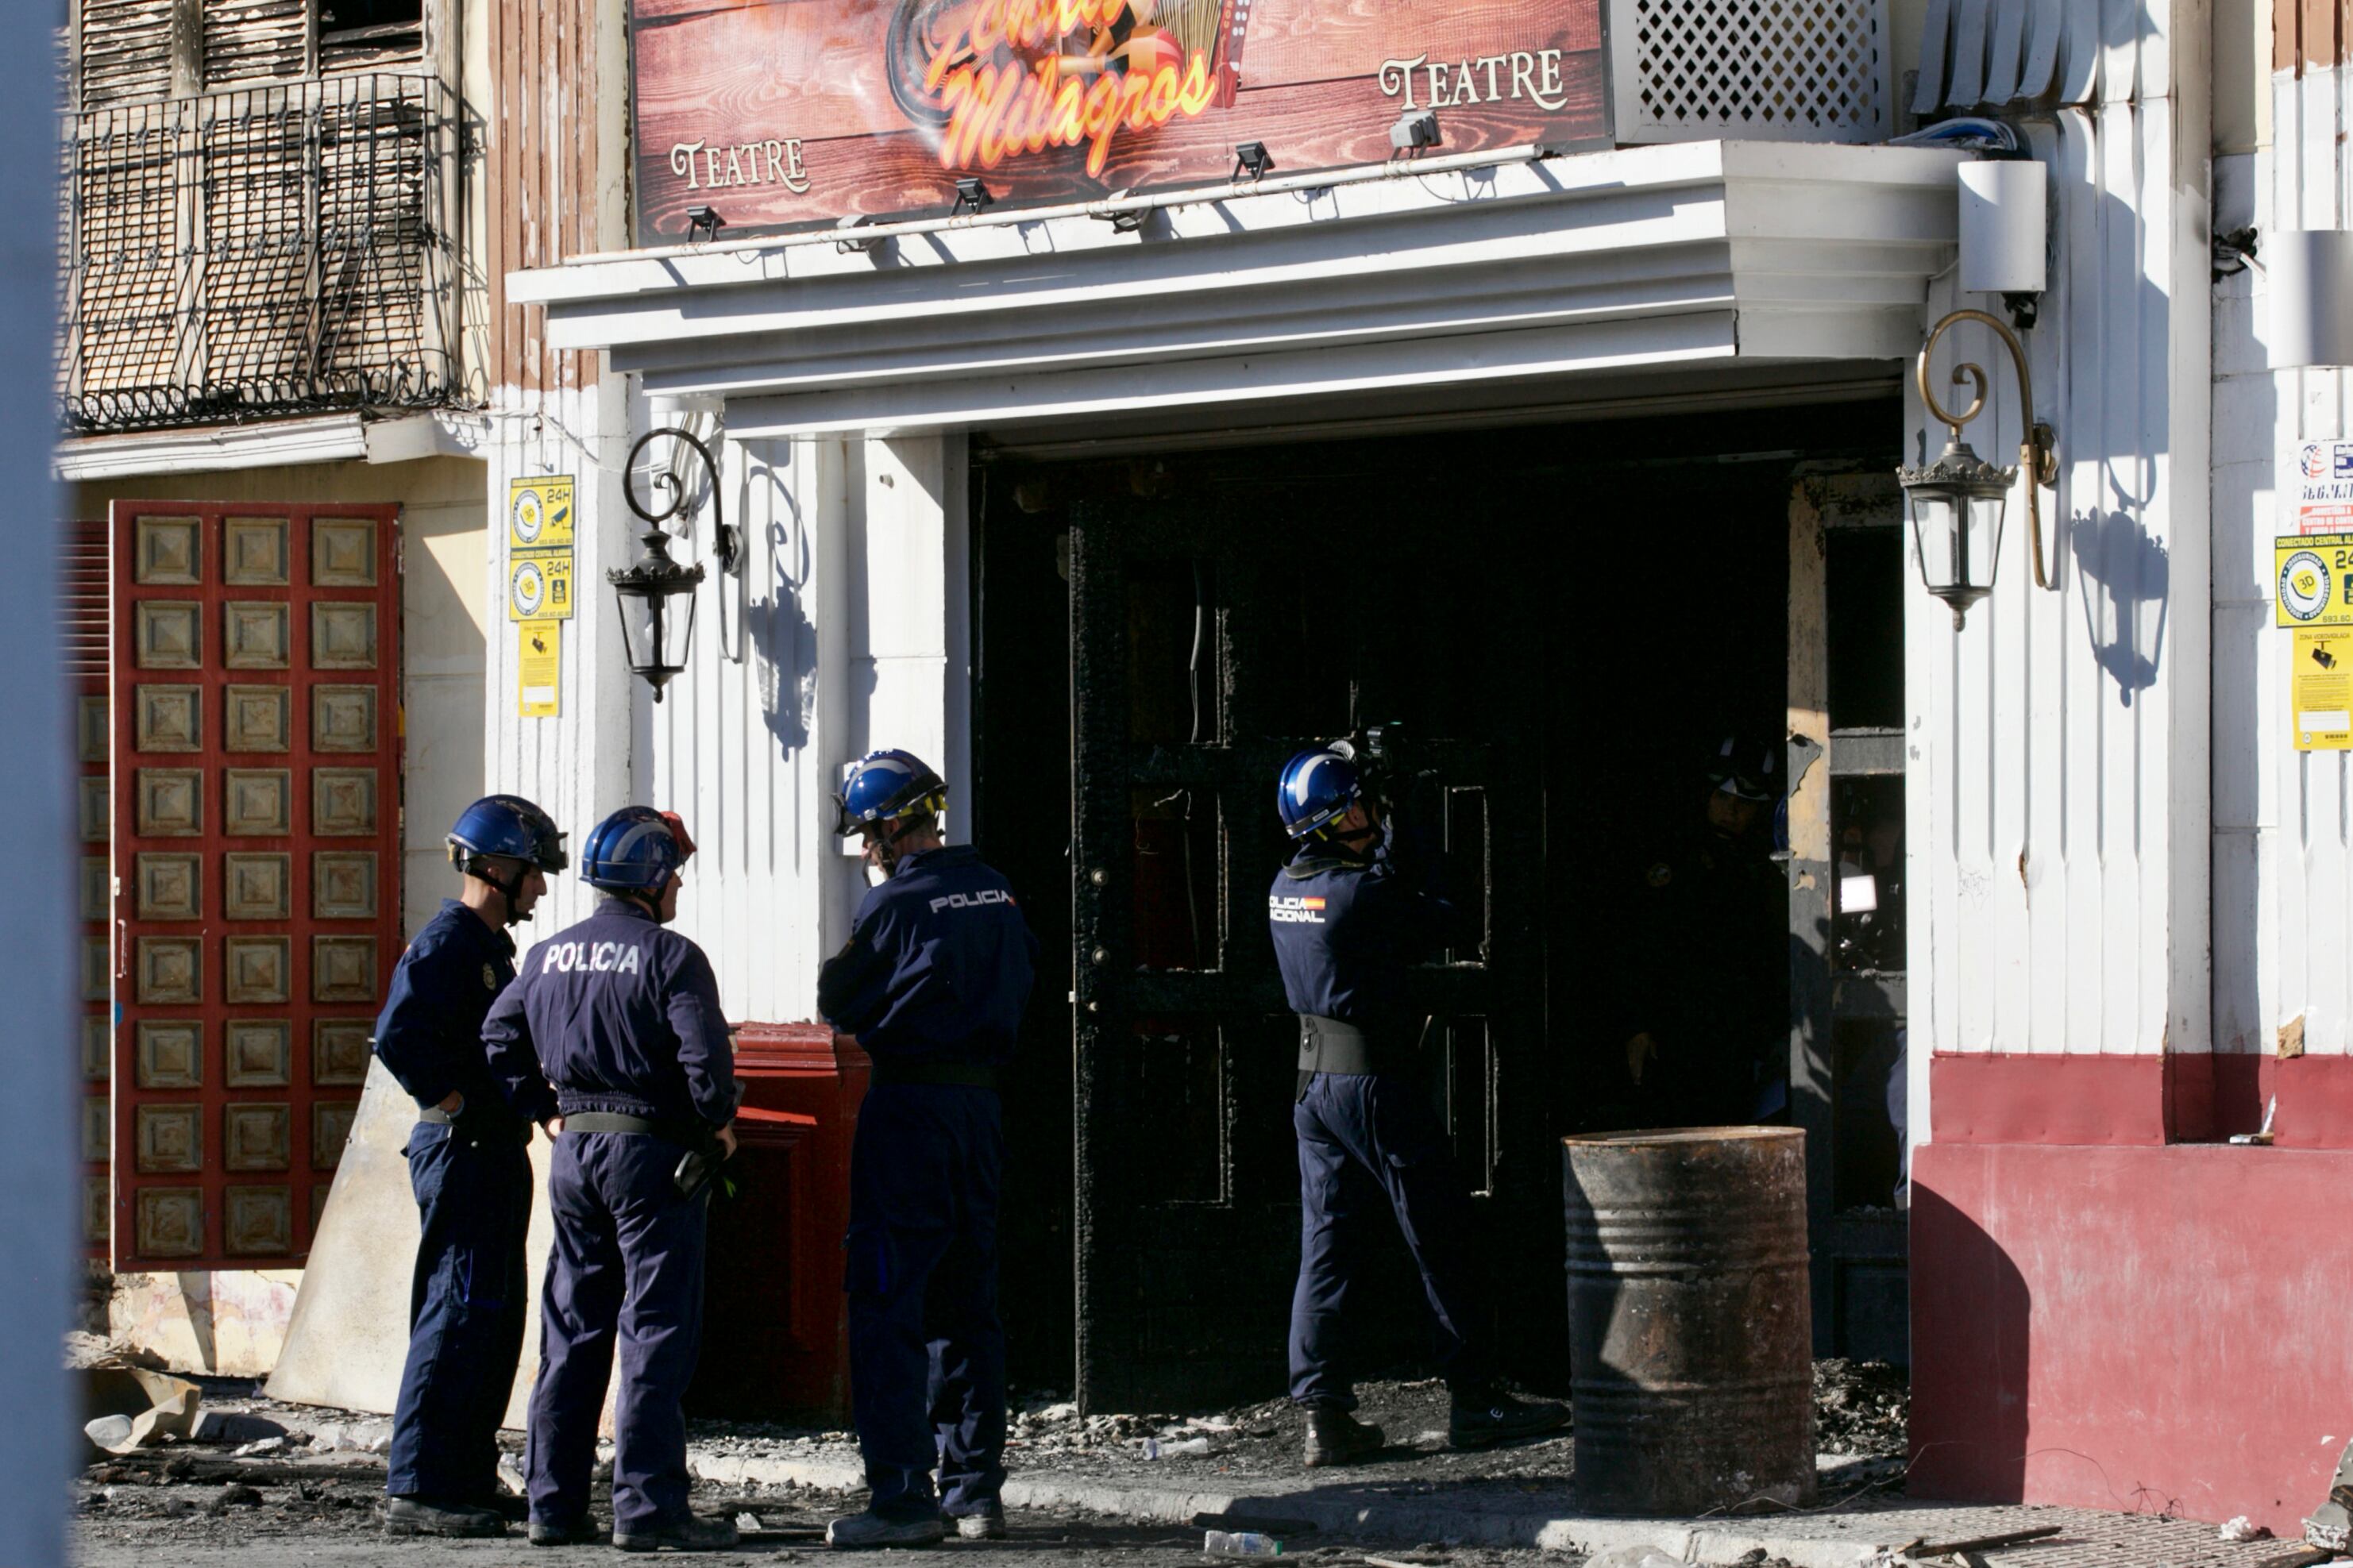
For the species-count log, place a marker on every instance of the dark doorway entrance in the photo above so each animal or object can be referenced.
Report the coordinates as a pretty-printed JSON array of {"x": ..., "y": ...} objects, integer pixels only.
[{"x": 1560, "y": 619}]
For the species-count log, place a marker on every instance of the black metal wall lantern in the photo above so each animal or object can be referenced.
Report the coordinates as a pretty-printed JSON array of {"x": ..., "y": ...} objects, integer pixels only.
[
  {"x": 1957, "y": 502},
  {"x": 657, "y": 633}
]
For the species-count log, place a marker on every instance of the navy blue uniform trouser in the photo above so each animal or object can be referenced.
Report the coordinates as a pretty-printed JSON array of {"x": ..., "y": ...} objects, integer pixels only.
[
  {"x": 926, "y": 1351},
  {"x": 1370, "y": 1143},
  {"x": 626, "y": 1264},
  {"x": 465, "y": 1302}
]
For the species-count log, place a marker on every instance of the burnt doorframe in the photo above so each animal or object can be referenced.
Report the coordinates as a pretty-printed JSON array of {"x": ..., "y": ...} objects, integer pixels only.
[{"x": 1849, "y": 1247}]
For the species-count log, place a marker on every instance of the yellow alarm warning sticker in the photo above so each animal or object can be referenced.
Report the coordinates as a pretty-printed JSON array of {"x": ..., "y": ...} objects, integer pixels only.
[
  {"x": 2320, "y": 688},
  {"x": 2313, "y": 574}
]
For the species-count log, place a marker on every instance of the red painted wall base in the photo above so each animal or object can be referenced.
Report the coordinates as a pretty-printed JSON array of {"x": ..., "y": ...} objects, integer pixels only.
[{"x": 2161, "y": 1326}]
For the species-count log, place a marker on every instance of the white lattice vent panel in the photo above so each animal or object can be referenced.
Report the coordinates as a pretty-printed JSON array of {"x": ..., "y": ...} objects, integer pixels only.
[{"x": 1786, "y": 70}]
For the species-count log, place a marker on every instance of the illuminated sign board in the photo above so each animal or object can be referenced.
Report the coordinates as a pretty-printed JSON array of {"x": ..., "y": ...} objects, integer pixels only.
[{"x": 783, "y": 114}]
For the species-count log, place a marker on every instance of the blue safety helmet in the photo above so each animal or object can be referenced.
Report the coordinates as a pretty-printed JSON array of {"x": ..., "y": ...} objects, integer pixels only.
[
  {"x": 1316, "y": 790},
  {"x": 885, "y": 784},
  {"x": 506, "y": 825},
  {"x": 631, "y": 851}
]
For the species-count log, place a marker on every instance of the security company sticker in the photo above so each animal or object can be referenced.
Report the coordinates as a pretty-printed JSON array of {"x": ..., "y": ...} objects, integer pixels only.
[
  {"x": 2320, "y": 689},
  {"x": 2321, "y": 487},
  {"x": 2314, "y": 574},
  {"x": 539, "y": 586},
  {"x": 539, "y": 654},
  {"x": 539, "y": 513}
]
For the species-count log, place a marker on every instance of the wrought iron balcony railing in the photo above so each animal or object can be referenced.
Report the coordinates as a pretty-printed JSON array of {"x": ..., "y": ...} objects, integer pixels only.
[{"x": 260, "y": 252}]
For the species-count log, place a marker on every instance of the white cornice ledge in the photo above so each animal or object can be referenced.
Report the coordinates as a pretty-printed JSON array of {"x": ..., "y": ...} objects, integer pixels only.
[
  {"x": 1527, "y": 268},
  {"x": 270, "y": 444}
]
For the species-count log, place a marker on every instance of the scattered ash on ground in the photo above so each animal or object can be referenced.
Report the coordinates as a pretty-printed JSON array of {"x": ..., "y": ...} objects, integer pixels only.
[{"x": 320, "y": 1479}]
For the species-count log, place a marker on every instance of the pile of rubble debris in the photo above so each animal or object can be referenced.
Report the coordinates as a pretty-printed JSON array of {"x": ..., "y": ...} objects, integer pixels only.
[{"x": 1862, "y": 1409}]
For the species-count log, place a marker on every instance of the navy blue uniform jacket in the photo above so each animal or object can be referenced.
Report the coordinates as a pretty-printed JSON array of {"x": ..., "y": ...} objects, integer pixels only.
[
  {"x": 429, "y": 1033},
  {"x": 938, "y": 965},
  {"x": 615, "y": 1014},
  {"x": 1347, "y": 927}
]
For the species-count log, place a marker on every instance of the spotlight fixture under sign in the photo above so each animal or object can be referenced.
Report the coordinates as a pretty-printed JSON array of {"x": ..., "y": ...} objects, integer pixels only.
[
  {"x": 703, "y": 223},
  {"x": 972, "y": 196},
  {"x": 1414, "y": 129},
  {"x": 1252, "y": 159}
]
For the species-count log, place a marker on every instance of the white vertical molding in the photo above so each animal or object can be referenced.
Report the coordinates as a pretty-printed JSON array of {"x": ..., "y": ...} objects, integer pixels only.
[
  {"x": 2114, "y": 432},
  {"x": 2245, "y": 443},
  {"x": 2043, "y": 874},
  {"x": 2184, "y": 61},
  {"x": 2086, "y": 310}
]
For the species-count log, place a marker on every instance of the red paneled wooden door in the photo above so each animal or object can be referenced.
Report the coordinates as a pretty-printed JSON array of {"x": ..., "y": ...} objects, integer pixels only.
[
  {"x": 256, "y": 854},
  {"x": 87, "y": 605}
]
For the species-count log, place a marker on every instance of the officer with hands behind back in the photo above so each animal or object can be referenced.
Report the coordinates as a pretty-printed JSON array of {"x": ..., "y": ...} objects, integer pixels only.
[
  {"x": 1349, "y": 915},
  {"x": 614, "y": 1031},
  {"x": 932, "y": 983},
  {"x": 469, "y": 1166}
]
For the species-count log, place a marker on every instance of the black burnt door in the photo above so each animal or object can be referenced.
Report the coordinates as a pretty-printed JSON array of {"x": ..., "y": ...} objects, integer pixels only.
[{"x": 1211, "y": 638}]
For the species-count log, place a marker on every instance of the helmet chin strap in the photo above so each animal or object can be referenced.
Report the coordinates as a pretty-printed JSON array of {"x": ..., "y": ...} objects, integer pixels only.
[{"x": 510, "y": 890}]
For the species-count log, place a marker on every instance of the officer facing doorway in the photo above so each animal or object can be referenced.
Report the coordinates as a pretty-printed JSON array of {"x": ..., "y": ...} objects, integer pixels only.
[
  {"x": 932, "y": 984},
  {"x": 1357, "y": 905}
]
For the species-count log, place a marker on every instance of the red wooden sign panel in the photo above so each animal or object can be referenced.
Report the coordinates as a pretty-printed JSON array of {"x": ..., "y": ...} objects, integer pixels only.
[
  {"x": 256, "y": 863},
  {"x": 784, "y": 113}
]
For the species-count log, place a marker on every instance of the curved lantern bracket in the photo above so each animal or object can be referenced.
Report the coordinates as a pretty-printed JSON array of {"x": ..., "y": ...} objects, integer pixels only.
[
  {"x": 655, "y": 595},
  {"x": 725, "y": 544},
  {"x": 2037, "y": 451}
]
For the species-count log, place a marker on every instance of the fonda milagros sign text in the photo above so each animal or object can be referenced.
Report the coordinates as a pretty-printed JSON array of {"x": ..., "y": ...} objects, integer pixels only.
[{"x": 789, "y": 113}]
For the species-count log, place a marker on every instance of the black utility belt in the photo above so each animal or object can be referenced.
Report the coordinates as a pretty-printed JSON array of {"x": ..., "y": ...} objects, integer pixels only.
[
  {"x": 436, "y": 1116},
  {"x": 970, "y": 1075},
  {"x": 692, "y": 1137},
  {"x": 1328, "y": 1044}
]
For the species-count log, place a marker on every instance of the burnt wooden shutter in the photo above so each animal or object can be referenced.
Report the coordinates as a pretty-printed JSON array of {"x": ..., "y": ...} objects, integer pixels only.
[
  {"x": 256, "y": 41},
  {"x": 256, "y": 862},
  {"x": 126, "y": 50}
]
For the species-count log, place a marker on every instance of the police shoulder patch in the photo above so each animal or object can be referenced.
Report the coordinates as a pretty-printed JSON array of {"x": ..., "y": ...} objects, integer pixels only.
[
  {"x": 490, "y": 978},
  {"x": 1661, "y": 875}
]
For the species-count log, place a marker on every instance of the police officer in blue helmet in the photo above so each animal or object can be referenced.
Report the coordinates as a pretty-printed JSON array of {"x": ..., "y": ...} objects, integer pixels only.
[
  {"x": 1349, "y": 914},
  {"x": 470, "y": 1170},
  {"x": 932, "y": 983},
  {"x": 614, "y": 1032}
]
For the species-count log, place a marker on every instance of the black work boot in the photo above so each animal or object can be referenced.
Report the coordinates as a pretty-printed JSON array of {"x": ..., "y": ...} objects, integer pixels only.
[
  {"x": 1482, "y": 1418},
  {"x": 687, "y": 1534},
  {"x": 870, "y": 1530},
  {"x": 420, "y": 1516},
  {"x": 1336, "y": 1438},
  {"x": 581, "y": 1532}
]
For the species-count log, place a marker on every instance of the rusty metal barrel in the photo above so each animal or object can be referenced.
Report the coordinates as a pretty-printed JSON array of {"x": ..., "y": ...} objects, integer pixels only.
[{"x": 1690, "y": 1324}]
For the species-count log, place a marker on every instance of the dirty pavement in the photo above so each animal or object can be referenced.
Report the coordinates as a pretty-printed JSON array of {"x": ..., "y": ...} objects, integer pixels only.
[{"x": 253, "y": 1483}]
